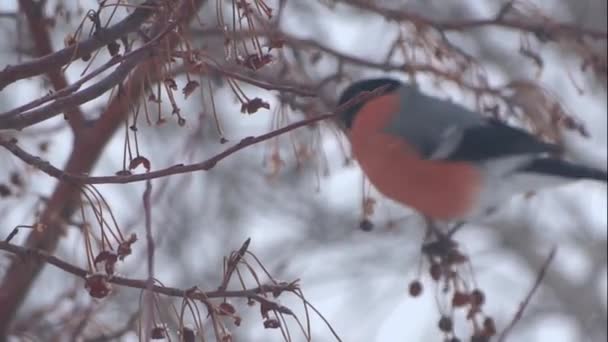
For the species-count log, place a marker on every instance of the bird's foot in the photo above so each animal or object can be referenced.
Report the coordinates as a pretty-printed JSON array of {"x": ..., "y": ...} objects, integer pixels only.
[
  {"x": 455, "y": 228},
  {"x": 442, "y": 230},
  {"x": 440, "y": 243}
]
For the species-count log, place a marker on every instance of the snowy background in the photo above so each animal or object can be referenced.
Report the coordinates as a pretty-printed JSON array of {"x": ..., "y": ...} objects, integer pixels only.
[{"x": 304, "y": 219}]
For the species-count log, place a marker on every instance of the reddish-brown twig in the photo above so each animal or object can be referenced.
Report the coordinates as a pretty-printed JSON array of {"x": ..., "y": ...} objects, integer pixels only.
[
  {"x": 206, "y": 165},
  {"x": 149, "y": 302},
  {"x": 499, "y": 20},
  {"x": 62, "y": 57},
  {"x": 40, "y": 34},
  {"x": 254, "y": 293},
  {"x": 18, "y": 120},
  {"x": 522, "y": 306}
]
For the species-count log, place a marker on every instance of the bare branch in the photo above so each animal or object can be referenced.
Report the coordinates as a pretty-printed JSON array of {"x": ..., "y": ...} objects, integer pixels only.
[
  {"x": 34, "y": 13},
  {"x": 149, "y": 298},
  {"x": 255, "y": 293},
  {"x": 58, "y": 59},
  {"x": 19, "y": 121},
  {"x": 205, "y": 165},
  {"x": 499, "y": 20},
  {"x": 63, "y": 201},
  {"x": 524, "y": 304}
]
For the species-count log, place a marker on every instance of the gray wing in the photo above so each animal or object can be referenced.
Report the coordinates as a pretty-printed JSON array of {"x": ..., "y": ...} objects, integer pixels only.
[
  {"x": 441, "y": 129},
  {"x": 493, "y": 139}
]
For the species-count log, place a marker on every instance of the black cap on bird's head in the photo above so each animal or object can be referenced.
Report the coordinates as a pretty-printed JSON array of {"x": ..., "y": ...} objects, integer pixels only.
[{"x": 347, "y": 116}]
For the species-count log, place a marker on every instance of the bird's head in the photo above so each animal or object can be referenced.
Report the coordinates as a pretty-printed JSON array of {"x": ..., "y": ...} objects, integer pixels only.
[{"x": 347, "y": 116}]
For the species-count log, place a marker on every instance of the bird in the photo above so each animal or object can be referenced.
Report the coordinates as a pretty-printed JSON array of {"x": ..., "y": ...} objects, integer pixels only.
[{"x": 445, "y": 161}]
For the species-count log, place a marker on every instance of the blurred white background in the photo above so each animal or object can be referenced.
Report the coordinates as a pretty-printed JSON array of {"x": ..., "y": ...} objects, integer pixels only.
[{"x": 304, "y": 218}]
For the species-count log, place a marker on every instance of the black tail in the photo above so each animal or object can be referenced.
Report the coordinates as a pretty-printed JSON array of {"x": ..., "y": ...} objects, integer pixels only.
[{"x": 566, "y": 169}]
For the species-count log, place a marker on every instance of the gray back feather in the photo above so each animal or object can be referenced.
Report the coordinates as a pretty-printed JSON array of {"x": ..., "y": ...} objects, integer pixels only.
[{"x": 432, "y": 125}]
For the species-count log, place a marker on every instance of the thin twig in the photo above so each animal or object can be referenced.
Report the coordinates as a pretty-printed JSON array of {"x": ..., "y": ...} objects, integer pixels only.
[
  {"x": 206, "y": 165},
  {"x": 62, "y": 57},
  {"x": 42, "y": 41},
  {"x": 232, "y": 263},
  {"x": 524, "y": 304},
  {"x": 15, "y": 230},
  {"x": 254, "y": 293},
  {"x": 467, "y": 24},
  {"x": 16, "y": 120},
  {"x": 149, "y": 302}
]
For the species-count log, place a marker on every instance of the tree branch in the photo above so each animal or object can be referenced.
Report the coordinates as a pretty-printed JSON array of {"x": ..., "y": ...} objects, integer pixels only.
[
  {"x": 205, "y": 165},
  {"x": 467, "y": 24},
  {"x": 19, "y": 276},
  {"x": 524, "y": 304},
  {"x": 34, "y": 14},
  {"x": 56, "y": 60},
  {"x": 255, "y": 293},
  {"x": 149, "y": 298},
  {"x": 16, "y": 120}
]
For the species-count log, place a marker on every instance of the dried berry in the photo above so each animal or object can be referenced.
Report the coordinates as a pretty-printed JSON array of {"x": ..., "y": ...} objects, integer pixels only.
[
  {"x": 97, "y": 284},
  {"x": 43, "y": 146},
  {"x": 255, "y": 62},
  {"x": 460, "y": 299},
  {"x": 254, "y": 105},
  {"x": 158, "y": 333},
  {"x": 445, "y": 324},
  {"x": 272, "y": 323},
  {"x": 477, "y": 298},
  {"x": 113, "y": 48},
  {"x": 170, "y": 83},
  {"x": 226, "y": 308},
  {"x": 188, "y": 334},
  {"x": 189, "y": 88},
  {"x": 109, "y": 259},
  {"x": 124, "y": 248},
  {"x": 366, "y": 225},
  {"x": 435, "y": 271},
  {"x": 415, "y": 288},
  {"x": 139, "y": 160},
  {"x": 489, "y": 328},
  {"x": 16, "y": 179},
  {"x": 5, "y": 191}
]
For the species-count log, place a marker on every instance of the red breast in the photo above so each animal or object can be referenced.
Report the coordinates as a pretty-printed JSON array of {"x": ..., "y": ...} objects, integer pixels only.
[{"x": 439, "y": 189}]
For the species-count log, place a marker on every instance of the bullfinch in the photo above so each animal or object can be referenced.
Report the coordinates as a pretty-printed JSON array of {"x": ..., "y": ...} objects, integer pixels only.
[{"x": 442, "y": 159}]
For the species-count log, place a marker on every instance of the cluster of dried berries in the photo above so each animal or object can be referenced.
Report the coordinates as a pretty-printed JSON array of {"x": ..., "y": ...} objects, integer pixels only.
[
  {"x": 445, "y": 269},
  {"x": 98, "y": 284}
]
